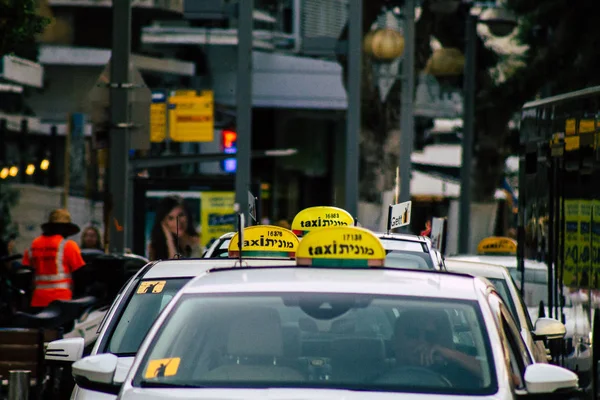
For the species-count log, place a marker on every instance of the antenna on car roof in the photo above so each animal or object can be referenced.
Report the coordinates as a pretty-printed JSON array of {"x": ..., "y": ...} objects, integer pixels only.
[
  {"x": 355, "y": 221},
  {"x": 240, "y": 235},
  {"x": 389, "y": 222}
]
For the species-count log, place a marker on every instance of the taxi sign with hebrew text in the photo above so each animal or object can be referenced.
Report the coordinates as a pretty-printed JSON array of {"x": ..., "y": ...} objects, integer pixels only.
[
  {"x": 265, "y": 241},
  {"x": 497, "y": 245},
  {"x": 341, "y": 247},
  {"x": 313, "y": 218}
]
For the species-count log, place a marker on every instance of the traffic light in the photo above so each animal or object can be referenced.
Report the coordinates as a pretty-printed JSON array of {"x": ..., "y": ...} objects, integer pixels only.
[{"x": 229, "y": 144}]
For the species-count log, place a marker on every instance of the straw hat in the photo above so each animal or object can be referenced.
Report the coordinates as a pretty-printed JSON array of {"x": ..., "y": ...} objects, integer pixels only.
[{"x": 61, "y": 218}]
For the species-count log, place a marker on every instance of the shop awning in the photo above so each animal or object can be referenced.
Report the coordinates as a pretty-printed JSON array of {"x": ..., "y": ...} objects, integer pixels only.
[{"x": 279, "y": 80}]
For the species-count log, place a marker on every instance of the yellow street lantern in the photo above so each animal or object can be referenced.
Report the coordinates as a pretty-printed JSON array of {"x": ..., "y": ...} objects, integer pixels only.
[
  {"x": 445, "y": 62},
  {"x": 368, "y": 42},
  {"x": 44, "y": 164},
  {"x": 30, "y": 169},
  {"x": 4, "y": 173},
  {"x": 13, "y": 171},
  {"x": 384, "y": 44}
]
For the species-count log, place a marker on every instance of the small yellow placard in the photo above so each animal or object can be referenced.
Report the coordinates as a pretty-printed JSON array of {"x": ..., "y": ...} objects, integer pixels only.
[
  {"x": 341, "y": 247},
  {"x": 151, "y": 287},
  {"x": 162, "y": 367},
  {"x": 497, "y": 244},
  {"x": 265, "y": 241},
  {"x": 313, "y": 218}
]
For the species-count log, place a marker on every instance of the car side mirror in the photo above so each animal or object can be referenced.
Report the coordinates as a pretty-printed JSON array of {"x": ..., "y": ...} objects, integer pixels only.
[
  {"x": 65, "y": 350},
  {"x": 97, "y": 373},
  {"x": 548, "y": 378},
  {"x": 549, "y": 328}
]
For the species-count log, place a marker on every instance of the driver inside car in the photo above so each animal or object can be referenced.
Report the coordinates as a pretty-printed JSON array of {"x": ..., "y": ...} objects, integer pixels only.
[{"x": 423, "y": 338}]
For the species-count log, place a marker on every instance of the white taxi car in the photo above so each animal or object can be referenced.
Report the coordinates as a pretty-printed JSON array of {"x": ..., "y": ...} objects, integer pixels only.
[
  {"x": 403, "y": 250},
  {"x": 337, "y": 326},
  {"x": 142, "y": 299},
  {"x": 506, "y": 288},
  {"x": 578, "y": 346}
]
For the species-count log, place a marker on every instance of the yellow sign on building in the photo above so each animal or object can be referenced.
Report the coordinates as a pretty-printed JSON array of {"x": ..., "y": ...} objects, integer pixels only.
[
  {"x": 158, "y": 122},
  {"x": 191, "y": 117}
]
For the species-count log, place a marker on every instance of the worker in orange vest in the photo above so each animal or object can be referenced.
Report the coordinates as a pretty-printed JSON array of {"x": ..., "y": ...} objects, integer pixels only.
[{"x": 53, "y": 259}]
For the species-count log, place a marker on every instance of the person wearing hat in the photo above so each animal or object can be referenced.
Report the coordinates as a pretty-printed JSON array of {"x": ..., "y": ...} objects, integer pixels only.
[{"x": 53, "y": 259}]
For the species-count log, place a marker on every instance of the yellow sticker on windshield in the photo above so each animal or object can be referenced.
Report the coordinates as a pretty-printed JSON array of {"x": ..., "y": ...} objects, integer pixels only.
[
  {"x": 265, "y": 241},
  {"x": 341, "y": 247},
  {"x": 162, "y": 367},
  {"x": 151, "y": 287},
  {"x": 313, "y": 218}
]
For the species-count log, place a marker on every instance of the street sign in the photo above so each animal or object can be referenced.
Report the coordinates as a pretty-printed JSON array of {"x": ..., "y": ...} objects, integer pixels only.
[
  {"x": 191, "y": 117},
  {"x": 97, "y": 107},
  {"x": 399, "y": 215},
  {"x": 158, "y": 117}
]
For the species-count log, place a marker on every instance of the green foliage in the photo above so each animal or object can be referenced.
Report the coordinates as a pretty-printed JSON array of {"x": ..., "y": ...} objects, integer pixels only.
[
  {"x": 19, "y": 24},
  {"x": 562, "y": 42}
]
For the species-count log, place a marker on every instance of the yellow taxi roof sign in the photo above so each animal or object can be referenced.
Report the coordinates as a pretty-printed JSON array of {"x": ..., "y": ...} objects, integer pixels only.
[
  {"x": 497, "y": 245},
  {"x": 313, "y": 218},
  {"x": 265, "y": 241},
  {"x": 343, "y": 246}
]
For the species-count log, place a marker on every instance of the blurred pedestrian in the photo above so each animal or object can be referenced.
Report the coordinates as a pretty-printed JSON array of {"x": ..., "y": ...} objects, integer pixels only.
[
  {"x": 54, "y": 258},
  {"x": 173, "y": 233},
  {"x": 283, "y": 224},
  {"x": 91, "y": 239},
  {"x": 427, "y": 231}
]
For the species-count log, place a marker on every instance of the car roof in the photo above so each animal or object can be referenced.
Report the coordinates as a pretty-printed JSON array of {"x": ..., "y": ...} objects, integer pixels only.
[
  {"x": 227, "y": 235},
  {"x": 193, "y": 267},
  {"x": 476, "y": 268},
  {"x": 400, "y": 236},
  {"x": 508, "y": 261},
  {"x": 337, "y": 280}
]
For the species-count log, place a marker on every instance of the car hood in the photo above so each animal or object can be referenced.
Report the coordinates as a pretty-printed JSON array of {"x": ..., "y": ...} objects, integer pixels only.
[{"x": 277, "y": 394}]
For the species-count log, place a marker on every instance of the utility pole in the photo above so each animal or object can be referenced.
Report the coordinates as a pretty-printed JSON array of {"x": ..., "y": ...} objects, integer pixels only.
[
  {"x": 120, "y": 123},
  {"x": 407, "y": 135},
  {"x": 464, "y": 212},
  {"x": 244, "y": 105},
  {"x": 354, "y": 106}
]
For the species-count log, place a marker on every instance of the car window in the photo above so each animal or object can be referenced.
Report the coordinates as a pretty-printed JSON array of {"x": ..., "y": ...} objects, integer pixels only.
[
  {"x": 518, "y": 355},
  {"x": 321, "y": 340},
  {"x": 403, "y": 245},
  {"x": 222, "y": 249},
  {"x": 144, "y": 306},
  {"x": 505, "y": 295},
  {"x": 408, "y": 260}
]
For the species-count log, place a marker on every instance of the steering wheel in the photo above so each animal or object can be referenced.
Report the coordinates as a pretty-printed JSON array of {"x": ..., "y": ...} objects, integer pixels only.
[{"x": 413, "y": 375}]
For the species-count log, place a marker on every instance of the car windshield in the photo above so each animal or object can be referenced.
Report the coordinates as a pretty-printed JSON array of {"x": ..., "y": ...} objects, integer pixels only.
[
  {"x": 321, "y": 340},
  {"x": 504, "y": 292},
  {"x": 145, "y": 303}
]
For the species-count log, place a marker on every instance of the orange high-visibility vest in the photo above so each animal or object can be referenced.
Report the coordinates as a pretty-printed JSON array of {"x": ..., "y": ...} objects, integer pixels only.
[{"x": 53, "y": 259}]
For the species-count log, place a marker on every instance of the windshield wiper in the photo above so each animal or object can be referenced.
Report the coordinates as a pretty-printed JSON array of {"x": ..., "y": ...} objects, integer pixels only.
[
  {"x": 160, "y": 384},
  {"x": 131, "y": 354}
]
